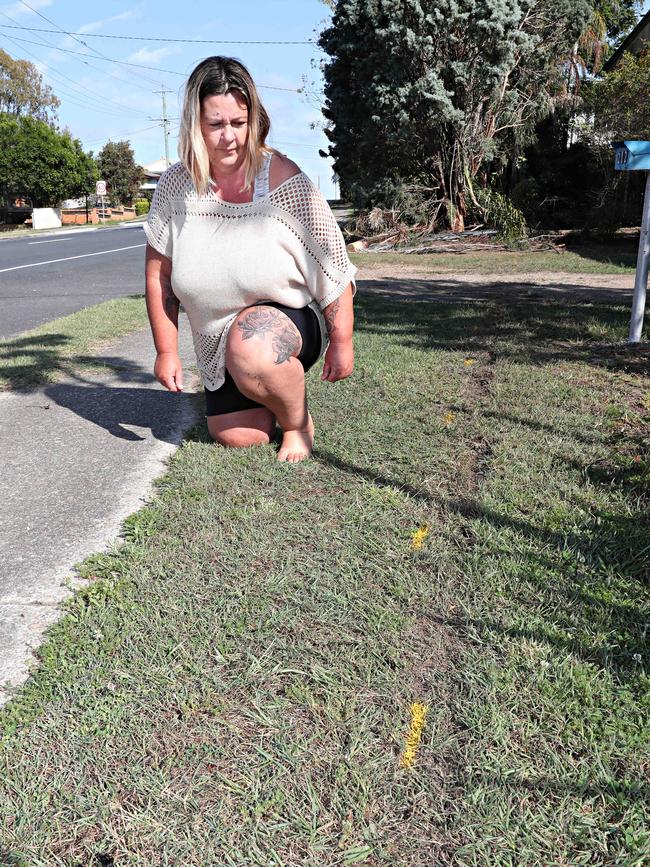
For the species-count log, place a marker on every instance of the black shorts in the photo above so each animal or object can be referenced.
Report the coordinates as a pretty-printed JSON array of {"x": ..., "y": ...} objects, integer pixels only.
[{"x": 228, "y": 398}]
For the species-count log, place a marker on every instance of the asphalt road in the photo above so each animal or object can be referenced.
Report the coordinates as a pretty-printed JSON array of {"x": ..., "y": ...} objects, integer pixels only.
[{"x": 43, "y": 277}]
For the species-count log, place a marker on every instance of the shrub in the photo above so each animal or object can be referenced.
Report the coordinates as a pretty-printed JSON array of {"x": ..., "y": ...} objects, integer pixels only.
[
  {"x": 141, "y": 206},
  {"x": 500, "y": 213}
]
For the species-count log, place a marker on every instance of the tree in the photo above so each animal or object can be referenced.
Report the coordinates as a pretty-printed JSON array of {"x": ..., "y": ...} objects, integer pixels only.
[
  {"x": 22, "y": 91},
  {"x": 565, "y": 178},
  {"x": 39, "y": 162},
  {"x": 118, "y": 168},
  {"x": 619, "y": 101},
  {"x": 619, "y": 109},
  {"x": 441, "y": 91},
  {"x": 619, "y": 16}
]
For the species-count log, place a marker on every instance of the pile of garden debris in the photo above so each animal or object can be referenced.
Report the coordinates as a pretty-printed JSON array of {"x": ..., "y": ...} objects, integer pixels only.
[
  {"x": 471, "y": 241},
  {"x": 384, "y": 230}
]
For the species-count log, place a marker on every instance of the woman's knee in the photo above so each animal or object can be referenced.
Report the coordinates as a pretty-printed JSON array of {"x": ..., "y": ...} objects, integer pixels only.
[
  {"x": 254, "y": 427},
  {"x": 241, "y": 438}
]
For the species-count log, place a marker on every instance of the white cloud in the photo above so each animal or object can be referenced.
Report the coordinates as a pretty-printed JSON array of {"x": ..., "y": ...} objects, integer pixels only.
[
  {"x": 153, "y": 55},
  {"x": 93, "y": 26},
  {"x": 18, "y": 8}
]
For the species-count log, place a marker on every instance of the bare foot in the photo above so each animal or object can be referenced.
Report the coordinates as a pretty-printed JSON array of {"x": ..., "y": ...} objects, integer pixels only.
[{"x": 297, "y": 445}]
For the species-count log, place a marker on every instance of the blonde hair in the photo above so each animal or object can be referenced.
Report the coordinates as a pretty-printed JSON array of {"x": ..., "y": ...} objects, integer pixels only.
[{"x": 215, "y": 76}]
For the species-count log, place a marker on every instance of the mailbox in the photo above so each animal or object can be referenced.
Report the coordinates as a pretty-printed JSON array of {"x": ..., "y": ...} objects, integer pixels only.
[{"x": 631, "y": 156}]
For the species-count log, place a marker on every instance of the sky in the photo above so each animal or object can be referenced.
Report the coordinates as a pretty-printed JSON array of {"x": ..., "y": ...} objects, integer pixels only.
[{"x": 103, "y": 100}]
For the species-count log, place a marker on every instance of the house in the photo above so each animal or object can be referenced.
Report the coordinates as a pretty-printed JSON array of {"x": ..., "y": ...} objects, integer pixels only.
[{"x": 152, "y": 174}]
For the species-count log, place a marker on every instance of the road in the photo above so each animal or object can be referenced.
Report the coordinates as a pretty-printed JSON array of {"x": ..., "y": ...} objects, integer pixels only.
[{"x": 46, "y": 276}]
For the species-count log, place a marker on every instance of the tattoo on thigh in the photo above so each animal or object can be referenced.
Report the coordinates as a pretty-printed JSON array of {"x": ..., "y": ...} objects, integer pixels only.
[
  {"x": 285, "y": 339},
  {"x": 286, "y": 343},
  {"x": 256, "y": 323}
]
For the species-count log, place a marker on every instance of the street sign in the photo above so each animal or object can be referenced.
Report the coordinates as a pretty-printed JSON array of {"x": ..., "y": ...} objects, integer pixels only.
[{"x": 100, "y": 188}]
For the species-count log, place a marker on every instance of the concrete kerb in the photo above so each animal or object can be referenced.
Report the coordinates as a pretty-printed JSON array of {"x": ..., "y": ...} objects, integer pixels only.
[
  {"x": 70, "y": 230},
  {"x": 82, "y": 455}
]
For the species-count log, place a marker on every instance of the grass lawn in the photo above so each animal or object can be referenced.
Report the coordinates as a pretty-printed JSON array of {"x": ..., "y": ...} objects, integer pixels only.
[
  {"x": 68, "y": 344},
  {"x": 235, "y": 684},
  {"x": 596, "y": 259}
]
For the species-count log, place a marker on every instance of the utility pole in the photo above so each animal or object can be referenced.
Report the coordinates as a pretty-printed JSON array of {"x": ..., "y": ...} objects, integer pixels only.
[{"x": 165, "y": 121}]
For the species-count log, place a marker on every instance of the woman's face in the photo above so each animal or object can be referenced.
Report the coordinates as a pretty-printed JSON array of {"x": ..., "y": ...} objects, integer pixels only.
[{"x": 224, "y": 124}]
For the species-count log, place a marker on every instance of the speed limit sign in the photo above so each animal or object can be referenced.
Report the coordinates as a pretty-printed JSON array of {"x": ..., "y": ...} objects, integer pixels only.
[{"x": 100, "y": 188}]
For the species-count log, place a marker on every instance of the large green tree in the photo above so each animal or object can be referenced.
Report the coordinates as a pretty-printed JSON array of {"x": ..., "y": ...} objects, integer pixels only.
[
  {"x": 118, "y": 168},
  {"x": 619, "y": 101},
  {"x": 22, "y": 91},
  {"x": 39, "y": 162},
  {"x": 566, "y": 177},
  {"x": 619, "y": 16},
  {"x": 435, "y": 92}
]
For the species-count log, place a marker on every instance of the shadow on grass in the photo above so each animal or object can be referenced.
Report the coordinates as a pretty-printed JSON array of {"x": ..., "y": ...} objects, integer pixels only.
[
  {"x": 115, "y": 405},
  {"x": 592, "y": 577},
  {"x": 12, "y": 859},
  {"x": 625, "y": 790},
  {"x": 623, "y": 254},
  {"x": 29, "y": 361},
  {"x": 530, "y": 329},
  {"x": 526, "y": 422}
]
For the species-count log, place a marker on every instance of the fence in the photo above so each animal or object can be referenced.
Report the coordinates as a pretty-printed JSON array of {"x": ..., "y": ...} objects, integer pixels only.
[{"x": 72, "y": 216}]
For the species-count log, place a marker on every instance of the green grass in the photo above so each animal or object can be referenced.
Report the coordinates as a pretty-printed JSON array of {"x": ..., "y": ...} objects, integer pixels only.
[
  {"x": 68, "y": 344},
  {"x": 233, "y": 685},
  {"x": 597, "y": 259}
]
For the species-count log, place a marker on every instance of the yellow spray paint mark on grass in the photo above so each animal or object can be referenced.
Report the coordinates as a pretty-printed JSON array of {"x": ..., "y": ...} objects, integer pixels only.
[
  {"x": 449, "y": 418},
  {"x": 469, "y": 362},
  {"x": 417, "y": 539},
  {"x": 418, "y": 720}
]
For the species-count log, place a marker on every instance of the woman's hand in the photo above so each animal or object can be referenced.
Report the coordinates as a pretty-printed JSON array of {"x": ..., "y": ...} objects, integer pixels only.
[
  {"x": 339, "y": 361},
  {"x": 339, "y": 320},
  {"x": 168, "y": 370}
]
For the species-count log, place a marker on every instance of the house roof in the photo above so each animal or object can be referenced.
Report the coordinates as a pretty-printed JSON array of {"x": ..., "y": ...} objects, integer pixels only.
[
  {"x": 156, "y": 169},
  {"x": 634, "y": 42}
]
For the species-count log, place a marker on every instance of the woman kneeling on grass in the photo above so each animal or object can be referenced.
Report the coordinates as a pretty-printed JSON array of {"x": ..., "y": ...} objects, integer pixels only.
[{"x": 241, "y": 238}]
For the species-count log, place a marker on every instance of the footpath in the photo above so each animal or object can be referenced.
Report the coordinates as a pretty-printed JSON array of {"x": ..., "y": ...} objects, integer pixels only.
[{"x": 79, "y": 456}]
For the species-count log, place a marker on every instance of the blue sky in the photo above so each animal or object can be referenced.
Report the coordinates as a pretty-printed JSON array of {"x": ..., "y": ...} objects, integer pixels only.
[{"x": 101, "y": 100}]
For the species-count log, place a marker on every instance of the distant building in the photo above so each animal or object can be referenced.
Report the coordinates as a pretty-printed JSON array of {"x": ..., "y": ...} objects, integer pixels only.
[{"x": 152, "y": 174}]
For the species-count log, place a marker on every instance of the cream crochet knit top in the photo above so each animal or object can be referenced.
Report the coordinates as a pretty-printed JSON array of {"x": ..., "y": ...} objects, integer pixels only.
[{"x": 284, "y": 246}]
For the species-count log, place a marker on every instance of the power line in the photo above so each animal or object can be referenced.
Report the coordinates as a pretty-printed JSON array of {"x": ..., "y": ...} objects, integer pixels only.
[
  {"x": 140, "y": 65},
  {"x": 122, "y": 135},
  {"x": 48, "y": 44},
  {"x": 67, "y": 33},
  {"x": 162, "y": 38},
  {"x": 81, "y": 95},
  {"x": 17, "y": 39},
  {"x": 91, "y": 105},
  {"x": 58, "y": 29},
  {"x": 52, "y": 72}
]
